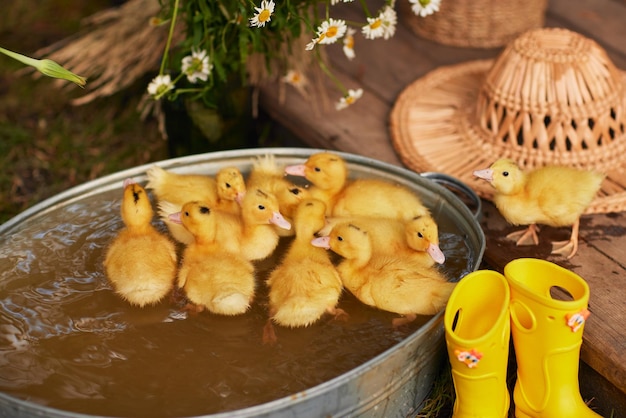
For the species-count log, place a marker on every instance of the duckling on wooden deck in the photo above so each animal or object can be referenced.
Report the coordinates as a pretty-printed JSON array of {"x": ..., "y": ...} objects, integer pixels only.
[
  {"x": 305, "y": 284},
  {"x": 213, "y": 278},
  {"x": 328, "y": 174},
  {"x": 553, "y": 195},
  {"x": 389, "y": 282},
  {"x": 140, "y": 262}
]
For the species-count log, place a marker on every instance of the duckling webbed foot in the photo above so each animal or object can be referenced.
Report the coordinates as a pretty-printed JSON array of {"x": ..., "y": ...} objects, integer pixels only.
[
  {"x": 193, "y": 308},
  {"x": 570, "y": 246},
  {"x": 339, "y": 314},
  {"x": 269, "y": 334},
  {"x": 403, "y": 320},
  {"x": 565, "y": 248},
  {"x": 526, "y": 236}
]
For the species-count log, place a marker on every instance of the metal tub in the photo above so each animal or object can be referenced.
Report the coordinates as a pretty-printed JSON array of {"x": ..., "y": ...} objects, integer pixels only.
[{"x": 392, "y": 384}]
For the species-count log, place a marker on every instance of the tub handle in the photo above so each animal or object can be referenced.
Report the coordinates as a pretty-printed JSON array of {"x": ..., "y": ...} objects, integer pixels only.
[{"x": 460, "y": 189}]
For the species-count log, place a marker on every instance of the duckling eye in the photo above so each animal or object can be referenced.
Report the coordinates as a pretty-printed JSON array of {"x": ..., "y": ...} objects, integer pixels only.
[
  {"x": 318, "y": 169},
  {"x": 204, "y": 210},
  {"x": 186, "y": 213},
  {"x": 505, "y": 173},
  {"x": 419, "y": 234},
  {"x": 261, "y": 207},
  {"x": 295, "y": 191},
  {"x": 228, "y": 185},
  {"x": 339, "y": 238}
]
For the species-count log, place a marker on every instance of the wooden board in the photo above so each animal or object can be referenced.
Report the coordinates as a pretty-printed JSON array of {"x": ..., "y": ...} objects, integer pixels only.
[{"x": 383, "y": 68}]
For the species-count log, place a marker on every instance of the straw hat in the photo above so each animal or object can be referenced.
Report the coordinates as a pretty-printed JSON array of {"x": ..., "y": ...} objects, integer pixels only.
[{"x": 551, "y": 97}]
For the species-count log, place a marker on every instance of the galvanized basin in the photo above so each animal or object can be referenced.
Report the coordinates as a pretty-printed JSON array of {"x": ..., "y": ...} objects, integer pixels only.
[{"x": 392, "y": 384}]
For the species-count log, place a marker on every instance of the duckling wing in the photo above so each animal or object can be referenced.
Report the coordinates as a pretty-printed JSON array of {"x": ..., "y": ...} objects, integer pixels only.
[
  {"x": 562, "y": 194},
  {"x": 181, "y": 188},
  {"x": 378, "y": 198}
]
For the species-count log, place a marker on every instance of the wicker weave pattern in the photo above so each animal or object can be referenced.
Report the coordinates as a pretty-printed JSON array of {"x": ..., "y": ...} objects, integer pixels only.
[
  {"x": 555, "y": 92},
  {"x": 478, "y": 23},
  {"x": 551, "y": 97}
]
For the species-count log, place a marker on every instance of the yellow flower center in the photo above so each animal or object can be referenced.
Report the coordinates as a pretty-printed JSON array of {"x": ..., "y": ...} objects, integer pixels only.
[
  {"x": 350, "y": 100},
  {"x": 350, "y": 42},
  {"x": 264, "y": 16},
  {"x": 331, "y": 32},
  {"x": 376, "y": 24}
]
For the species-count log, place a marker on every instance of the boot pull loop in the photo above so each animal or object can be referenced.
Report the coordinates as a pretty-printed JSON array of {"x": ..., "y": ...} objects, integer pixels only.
[{"x": 523, "y": 318}]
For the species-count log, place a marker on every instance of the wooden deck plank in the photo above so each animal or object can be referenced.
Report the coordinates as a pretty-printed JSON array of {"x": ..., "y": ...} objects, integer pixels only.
[
  {"x": 598, "y": 263},
  {"x": 384, "y": 68},
  {"x": 602, "y": 20}
]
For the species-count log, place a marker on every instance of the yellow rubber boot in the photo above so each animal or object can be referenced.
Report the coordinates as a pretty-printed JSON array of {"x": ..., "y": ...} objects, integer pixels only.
[
  {"x": 477, "y": 329},
  {"x": 547, "y": 335}
]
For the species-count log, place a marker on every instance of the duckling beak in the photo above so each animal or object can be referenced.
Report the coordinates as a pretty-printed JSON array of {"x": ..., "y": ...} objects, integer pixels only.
[
  {"x": 435, "y": 253},
  {"x": 486, "y": 174},
  {"x": 280, "y": 221},
  {"x": 175, "y": 217},
  {"x": 295, "y": 170},
  {"x": 322, "y": 242},
  {"x": 128, "y": 182},
  {"x": 239, "y": 197}
]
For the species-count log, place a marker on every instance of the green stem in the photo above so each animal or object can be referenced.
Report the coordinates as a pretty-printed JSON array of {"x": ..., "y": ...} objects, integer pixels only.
[
  {"x": 170, "y": 35},
  {"x": 21, "y": 58},
  {"x": 334, "y": 79},
  {"x": 365, "y": 9}
]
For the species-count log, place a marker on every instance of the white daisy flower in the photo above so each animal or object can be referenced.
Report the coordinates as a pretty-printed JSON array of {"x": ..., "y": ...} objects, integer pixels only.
[
  {"x": 348, "y": 44},
  {"x": 263, "y": 14},
  {"x": 160, "y": 85},
  {"x": 389, "y": 17},
  {"x": 311, "y": 45},
  {"x": 374, "y": 28},
  {"x": 295, "y": 78},
  {"x": 349, "y": 99},
  {"x": 196, "y": 66},
  {"x": 330, "y": 30},
  {"x": 425, "y": 7}
]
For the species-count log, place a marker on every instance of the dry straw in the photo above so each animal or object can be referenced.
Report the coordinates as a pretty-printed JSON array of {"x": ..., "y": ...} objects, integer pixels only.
[
  {"x": 478, "y": 23},
  {"x": 551, "y": 97}
]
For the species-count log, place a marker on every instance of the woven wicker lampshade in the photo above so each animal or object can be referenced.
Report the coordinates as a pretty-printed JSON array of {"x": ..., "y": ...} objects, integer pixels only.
[{"x": 551, "y": 97}]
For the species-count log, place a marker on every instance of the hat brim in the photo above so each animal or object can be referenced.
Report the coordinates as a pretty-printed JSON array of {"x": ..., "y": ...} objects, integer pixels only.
[{"x": 432, "y": 130}]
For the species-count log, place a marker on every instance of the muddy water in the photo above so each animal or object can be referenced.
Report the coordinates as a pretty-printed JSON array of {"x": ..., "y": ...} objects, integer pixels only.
[{"x": 67, "y": 341}]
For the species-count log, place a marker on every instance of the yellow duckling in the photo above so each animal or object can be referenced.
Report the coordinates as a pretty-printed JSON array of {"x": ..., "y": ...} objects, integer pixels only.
[
  {"x": 260, "y": 214},
  {"x": 389, "y": 282},
  {"x": 140, "y": 262},
  {"x": 267, "y": 175},
  {"x": 553, "y": 195},
  {"x": 252, "y": 233},
  {"x": 221, "y": 192},
  {"x": 212, "y": 277},
  {"x": 417, "y": 238},
  {"x": 328, "y": 173},
  {"x": 305, "y": 284},
  {"x": 231, "y": 188},
  {"x": 224, "y": 193},
  {"x": 180, "y": 188}
]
